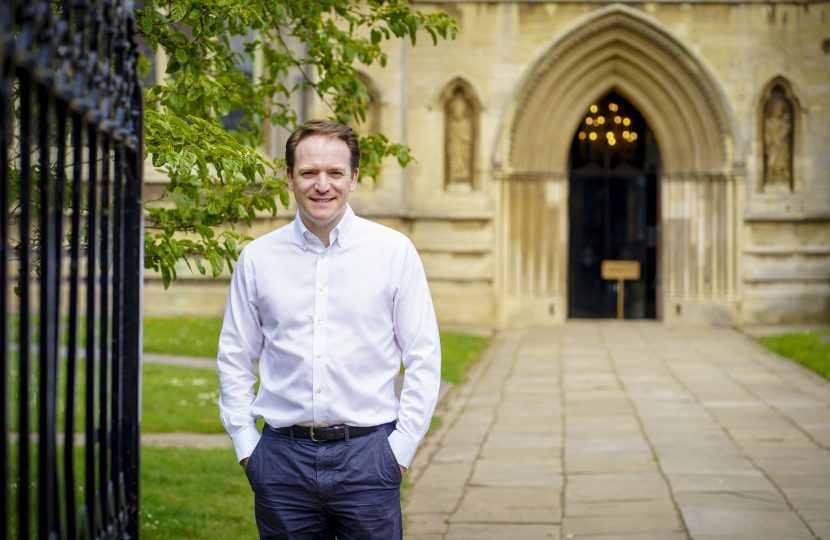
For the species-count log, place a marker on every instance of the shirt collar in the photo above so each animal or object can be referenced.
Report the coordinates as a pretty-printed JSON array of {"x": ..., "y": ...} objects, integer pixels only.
[{"x": 340, "y": 233}]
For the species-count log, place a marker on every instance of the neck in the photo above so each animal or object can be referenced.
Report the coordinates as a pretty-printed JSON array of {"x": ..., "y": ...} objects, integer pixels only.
[{"x": 322, "y": 230}]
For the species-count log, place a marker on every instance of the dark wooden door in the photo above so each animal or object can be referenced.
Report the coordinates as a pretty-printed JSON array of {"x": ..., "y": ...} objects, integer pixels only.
[{"x": 612, "y": 211}]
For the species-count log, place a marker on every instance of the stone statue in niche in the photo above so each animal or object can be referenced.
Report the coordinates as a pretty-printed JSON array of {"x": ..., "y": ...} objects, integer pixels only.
[
  {"x": 778, "y": 142},
  {"x": 460, "y": 142}
]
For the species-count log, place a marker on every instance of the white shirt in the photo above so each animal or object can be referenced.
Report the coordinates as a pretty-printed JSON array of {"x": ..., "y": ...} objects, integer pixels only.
[{"x": 330, "y": 327}]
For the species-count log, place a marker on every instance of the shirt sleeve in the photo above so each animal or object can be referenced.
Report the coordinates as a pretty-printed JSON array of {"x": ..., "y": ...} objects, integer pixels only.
[
  {"x": 416, "y": 331},
  {"x": 240, "y": 345}
]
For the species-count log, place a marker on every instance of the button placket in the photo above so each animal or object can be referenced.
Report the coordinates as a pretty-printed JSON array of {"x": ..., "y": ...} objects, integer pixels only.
[{"x": 318, "y": 361}]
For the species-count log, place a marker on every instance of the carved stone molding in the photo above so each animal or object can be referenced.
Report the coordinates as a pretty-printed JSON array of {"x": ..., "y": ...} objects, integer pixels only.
[{"x": 620, "y": 50}]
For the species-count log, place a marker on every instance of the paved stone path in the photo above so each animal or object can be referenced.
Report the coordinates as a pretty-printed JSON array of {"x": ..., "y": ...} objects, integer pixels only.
[{"x": 627, "y": 430}]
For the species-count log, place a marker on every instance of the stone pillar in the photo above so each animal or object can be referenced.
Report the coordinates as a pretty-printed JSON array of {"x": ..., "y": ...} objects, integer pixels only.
[{"x": 533, "y": 239}]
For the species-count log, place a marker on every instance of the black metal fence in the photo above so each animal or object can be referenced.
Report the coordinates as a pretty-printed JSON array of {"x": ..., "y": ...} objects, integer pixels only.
[{"x": 70, "y": 268}]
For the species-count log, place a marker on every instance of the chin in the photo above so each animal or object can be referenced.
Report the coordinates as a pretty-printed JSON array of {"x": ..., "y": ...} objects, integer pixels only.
[{"x": 322, "y": 214}]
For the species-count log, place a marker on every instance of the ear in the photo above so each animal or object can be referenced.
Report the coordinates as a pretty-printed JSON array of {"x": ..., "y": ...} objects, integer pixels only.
[
  {"x": 290, "y": 179},
  {"x": 353, "y": 183}
]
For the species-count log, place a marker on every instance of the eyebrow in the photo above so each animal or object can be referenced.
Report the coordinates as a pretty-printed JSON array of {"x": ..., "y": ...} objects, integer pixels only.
[{"x": 312, "y": 169}]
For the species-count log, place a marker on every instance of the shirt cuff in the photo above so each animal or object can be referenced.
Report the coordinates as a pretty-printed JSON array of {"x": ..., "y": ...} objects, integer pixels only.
[
  {"x": 403, "y": 447},
  {"x": 244, "y": 441}
]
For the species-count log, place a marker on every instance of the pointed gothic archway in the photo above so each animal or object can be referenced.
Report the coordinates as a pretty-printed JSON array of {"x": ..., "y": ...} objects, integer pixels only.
[{"x": 618, "y": 49}]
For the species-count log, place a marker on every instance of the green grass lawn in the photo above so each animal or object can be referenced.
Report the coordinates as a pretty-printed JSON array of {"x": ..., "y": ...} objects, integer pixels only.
[
  {"x": 188, "y": 336},
  {"x": 810, "y": 348},
  {"x": 194, "y": 494},
  {"x": 458, "y": 353},
  {"x": 180, "y": 398}
]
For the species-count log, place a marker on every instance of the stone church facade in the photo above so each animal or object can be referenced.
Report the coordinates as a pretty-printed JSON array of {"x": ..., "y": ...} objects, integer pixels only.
[{"x": 549, "y": 136}]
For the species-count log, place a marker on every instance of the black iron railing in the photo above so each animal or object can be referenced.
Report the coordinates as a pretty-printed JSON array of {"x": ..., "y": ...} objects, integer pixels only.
[{"x": 70, "y": 269}]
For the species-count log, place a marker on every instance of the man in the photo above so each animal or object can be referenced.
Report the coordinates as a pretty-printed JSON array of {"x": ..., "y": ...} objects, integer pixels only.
[{"x": 330, "y": 305}]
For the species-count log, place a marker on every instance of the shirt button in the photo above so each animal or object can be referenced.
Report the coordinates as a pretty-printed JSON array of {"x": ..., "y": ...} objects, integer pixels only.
[
  {"x": 321, "y": 288},
  {"x": 320, "y": 423},
  {"x": 303, "y": 244},
  {"x": 323, "y": 255},
  {"x": 319, "y": 321},
  {"x": 319, "y": 390},
  {"x": 319, "y": 355}
]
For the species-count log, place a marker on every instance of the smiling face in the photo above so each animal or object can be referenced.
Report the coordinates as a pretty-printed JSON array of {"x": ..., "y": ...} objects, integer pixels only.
[{"x": 321, "y": 181}]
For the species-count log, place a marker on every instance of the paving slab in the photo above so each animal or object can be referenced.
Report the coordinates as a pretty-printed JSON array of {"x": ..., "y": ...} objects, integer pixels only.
[
  {"x": 541, "y": 473},
  {"x": 615, "y": 487},
  {"x": 419, "y": 524},
  {"x": 502, "y": 532},
  {"x": 628, "y": 430},
  {"x": 509, "y": 504}
]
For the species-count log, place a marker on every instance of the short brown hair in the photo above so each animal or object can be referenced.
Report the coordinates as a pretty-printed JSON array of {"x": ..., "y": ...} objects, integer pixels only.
[{"x": 328, "y": 129}]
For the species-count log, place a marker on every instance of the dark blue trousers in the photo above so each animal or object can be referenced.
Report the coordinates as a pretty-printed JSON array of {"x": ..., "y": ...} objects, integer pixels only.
[{"x": 306, "y": 490}]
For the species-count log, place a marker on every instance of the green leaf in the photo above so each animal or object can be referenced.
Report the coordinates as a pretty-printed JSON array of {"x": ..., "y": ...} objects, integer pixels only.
[
  {"x": 178, "y": 11},
  {"x": 199, "y": 266},
  {"x": 230, "y": 243},
  {"x": 217, "y": 263},
  {"x": 176, "y": 199},
  {"x": 207, "y": 232},
  {"x": 195, "y": 93},
  {"x": 181, "y": 56}
]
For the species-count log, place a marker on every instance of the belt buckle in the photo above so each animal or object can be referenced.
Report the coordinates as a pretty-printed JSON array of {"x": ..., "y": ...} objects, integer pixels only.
[{"x": 312, "y": 436}]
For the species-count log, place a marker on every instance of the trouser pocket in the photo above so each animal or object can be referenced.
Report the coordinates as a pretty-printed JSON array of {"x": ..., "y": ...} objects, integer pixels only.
[{"x": 389, "y": 455}]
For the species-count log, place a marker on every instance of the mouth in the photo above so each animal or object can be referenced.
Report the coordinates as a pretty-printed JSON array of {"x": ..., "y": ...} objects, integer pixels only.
[{"x": 320, "y": 200}]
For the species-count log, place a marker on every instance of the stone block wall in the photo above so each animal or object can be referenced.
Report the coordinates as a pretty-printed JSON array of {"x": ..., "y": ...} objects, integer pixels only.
[{"x": 774, "y": 260}]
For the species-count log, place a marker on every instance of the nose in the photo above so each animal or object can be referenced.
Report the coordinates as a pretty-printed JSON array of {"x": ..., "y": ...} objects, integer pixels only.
[{"x": 323, "y": 182}]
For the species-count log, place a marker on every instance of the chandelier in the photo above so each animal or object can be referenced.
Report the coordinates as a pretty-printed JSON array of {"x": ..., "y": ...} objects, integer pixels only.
[{"x": 610, "y": 125}]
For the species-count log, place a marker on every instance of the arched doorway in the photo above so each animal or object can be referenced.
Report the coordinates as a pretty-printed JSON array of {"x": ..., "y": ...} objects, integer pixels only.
[
  {"x": 619, "y": 49},
  {"x": 613, "y": 210}
]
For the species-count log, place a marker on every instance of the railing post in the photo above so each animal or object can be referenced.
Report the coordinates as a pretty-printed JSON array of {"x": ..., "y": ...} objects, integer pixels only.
[{"x": 132, "y": 336}]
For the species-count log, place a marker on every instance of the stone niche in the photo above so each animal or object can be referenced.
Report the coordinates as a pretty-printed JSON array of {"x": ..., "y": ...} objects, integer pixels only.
[
  {"x": 778, "y": 128},
  {"x": 371, "y": 124},
  {"x": 778, "y": 140},
  {"x": 460, "y": 134}
]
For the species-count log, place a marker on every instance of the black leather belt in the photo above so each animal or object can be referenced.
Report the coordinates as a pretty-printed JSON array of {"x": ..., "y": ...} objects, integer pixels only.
[{"x": 321, "y": 434}]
